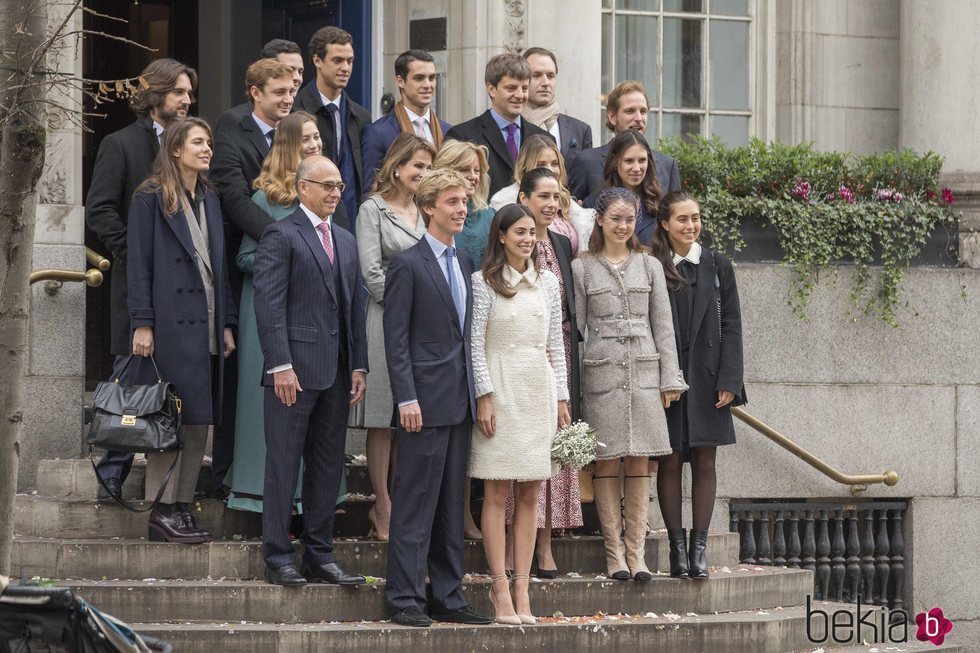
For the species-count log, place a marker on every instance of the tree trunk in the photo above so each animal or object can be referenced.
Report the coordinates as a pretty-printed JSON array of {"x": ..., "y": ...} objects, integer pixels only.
[{"x": 23, "y": 34}]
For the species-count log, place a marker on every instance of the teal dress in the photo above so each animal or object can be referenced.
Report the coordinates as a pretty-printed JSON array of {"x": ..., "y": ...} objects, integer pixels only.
[
  {"x": 246, "y": 478},
  {"x": 476, "y": 230}
]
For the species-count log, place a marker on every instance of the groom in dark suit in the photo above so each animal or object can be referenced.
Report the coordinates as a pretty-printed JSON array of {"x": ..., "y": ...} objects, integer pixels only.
[
  {"x": 428, "y": 308},
  {"x": 310, "y": 315}
]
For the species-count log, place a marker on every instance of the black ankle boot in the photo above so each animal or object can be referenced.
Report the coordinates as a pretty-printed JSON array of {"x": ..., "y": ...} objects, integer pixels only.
[
  {"x": 677, "y": 540},
  {"x": 696, "y": 555}
]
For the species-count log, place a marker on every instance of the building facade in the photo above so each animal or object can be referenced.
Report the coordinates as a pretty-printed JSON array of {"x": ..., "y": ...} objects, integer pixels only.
[{"x": 851, "y": 75}]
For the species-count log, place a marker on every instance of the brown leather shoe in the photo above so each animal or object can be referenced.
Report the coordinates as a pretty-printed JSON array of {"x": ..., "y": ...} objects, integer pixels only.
[{"x": 171, "y": 528}]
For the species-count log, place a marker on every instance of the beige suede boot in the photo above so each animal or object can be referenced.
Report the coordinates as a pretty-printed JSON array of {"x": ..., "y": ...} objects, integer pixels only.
[
  {"x": 637, "y": 510},
  {"x": 607, "y": 504}
]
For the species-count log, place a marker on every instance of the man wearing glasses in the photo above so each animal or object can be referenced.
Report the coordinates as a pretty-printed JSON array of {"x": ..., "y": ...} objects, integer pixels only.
[{"x": 310, "y": 315}]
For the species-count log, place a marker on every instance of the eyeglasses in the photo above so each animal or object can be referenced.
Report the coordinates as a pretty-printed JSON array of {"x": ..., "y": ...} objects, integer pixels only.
[{"x": 328, "y": 186}]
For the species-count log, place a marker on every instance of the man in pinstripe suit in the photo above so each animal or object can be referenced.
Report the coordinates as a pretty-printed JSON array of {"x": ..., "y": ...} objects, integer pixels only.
[{"x": 310, "y": 317}]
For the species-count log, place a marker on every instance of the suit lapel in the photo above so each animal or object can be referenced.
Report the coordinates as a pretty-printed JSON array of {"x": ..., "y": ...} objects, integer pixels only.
[
  {"x": 646, "y": 222},
  {"x": 565, "y": 263},
  {"x": 254, "y": 135},
  {"x": 312, "y": 238},
  {"x": 434, "y": 268},
  {"x": 151, "y": 134},
  {"x": 496, "y": 140},
  {"x": 703, "y": 293},
  {"x": 393, "y": 220}
]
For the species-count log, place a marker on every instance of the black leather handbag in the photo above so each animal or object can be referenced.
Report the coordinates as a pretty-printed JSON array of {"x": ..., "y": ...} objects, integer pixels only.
[{"x": 137, "y": 419}]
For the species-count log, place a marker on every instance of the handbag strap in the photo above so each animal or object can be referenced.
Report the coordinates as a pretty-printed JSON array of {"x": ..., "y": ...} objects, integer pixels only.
[
  {"x": 130, "y": 358},
  {"x": 118, "y": 498}
]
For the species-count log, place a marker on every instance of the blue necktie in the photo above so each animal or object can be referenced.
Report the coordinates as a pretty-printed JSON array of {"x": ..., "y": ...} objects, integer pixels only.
[
  {"x": 334, "y": 121},
  {"x": 454, "y": 290}
]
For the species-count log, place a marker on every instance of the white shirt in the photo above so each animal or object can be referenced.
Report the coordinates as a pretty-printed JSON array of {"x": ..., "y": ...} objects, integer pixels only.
[
  {"x": 693, "y": 256},
  {"x": 265, "y": 127},
  {"x": 426, "y": 127},
  {"x": 158, "y": 128},
  {"x": 554, "y": 131},
  {"x": 340, "y": 114}
]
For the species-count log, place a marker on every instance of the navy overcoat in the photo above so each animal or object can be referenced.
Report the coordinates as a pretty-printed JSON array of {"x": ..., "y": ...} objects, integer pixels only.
[{"x": 166, "y": 292}]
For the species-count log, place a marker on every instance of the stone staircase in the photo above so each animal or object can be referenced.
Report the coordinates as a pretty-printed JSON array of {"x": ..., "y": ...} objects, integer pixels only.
[{"x": 208, "y": 597}]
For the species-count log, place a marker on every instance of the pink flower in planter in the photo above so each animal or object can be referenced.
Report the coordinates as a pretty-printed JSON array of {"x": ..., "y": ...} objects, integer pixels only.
[
  {"x": 930, "y": 195},
  {"x": 947, "y": 196},
  {"x": 846, "y": 194},
  {"x": 801, "y": 191}
]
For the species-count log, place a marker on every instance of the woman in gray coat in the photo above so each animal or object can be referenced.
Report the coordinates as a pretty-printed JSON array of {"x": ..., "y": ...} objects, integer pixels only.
[
  {"x": 630, "y": 372},
  {"x": 708, "y": 326},
  {"x": 388, "y": 222}
]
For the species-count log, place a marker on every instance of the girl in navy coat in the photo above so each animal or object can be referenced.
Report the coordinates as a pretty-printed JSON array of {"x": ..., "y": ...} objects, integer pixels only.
[
  {"x": 708, "y": 331},
  {"x": 181, "y": 310}
]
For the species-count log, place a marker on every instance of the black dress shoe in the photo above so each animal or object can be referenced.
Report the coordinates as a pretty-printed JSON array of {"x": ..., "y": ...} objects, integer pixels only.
[
  {"x": 330, "y": 572},
  {"x": 171, "y": 528},
  {"x": 411, "y": 617},
  {"x": 113, "y": 484},
  {"x": 191, "y": 523},
  {"x": 287, "y": 576},
  {"x": 463, "y": 615}
]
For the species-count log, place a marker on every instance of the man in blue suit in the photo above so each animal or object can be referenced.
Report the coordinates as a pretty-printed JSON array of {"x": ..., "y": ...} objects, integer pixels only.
[
  {"x": 310, "y": 315},
  {"x": 428, "y": 308},
  {"x": 415, "y": 76}
]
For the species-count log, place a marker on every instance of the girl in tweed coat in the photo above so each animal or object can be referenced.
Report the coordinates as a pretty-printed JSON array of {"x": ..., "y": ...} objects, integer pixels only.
[{"x": 630, "y": 372}]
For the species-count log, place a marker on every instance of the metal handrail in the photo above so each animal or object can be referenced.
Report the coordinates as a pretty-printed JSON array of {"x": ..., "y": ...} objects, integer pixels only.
[
  {"x": 858, "y": 482},
  {"x": 96, "y": 259},
  {"x": 56, "y": 278}
]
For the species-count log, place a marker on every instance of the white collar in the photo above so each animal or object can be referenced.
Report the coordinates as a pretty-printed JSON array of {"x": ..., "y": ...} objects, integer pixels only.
[
  {"x": 513, "y": 278},
  {"x": 323, "y": 98},
  {"x": 693, "y": 256},
  {"x": 412, "y": 116},
  {"x": 314, "y": 218},
  {"x": 263, "y": 125},
  {"x": 158, "y": 128}
]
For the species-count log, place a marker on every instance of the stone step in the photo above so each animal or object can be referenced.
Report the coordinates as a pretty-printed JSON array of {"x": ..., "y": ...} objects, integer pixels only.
[
  {"x": 138, "y": 559},
  {"x": 740, "y": 588},
  {"x": 777, "y": 630},
  {"x": 75, "y": 479}
]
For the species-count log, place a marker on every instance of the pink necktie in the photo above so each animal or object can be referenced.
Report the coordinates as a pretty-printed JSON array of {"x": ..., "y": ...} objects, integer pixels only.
[
  {"x": 420, "y": 128},
  {"x": 324, "y": 229}
]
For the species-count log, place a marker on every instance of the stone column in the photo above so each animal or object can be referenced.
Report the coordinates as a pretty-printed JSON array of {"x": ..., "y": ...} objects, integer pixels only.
[
  {"x": 55, "y": 381},
  {"x": 939, "y": 103}
]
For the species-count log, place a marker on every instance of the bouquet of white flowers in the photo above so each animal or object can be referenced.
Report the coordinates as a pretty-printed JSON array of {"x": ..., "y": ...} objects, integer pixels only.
[{"x": 575, "y": 445}]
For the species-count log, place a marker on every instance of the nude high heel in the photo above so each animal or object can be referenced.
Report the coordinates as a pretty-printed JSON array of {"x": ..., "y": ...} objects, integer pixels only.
[
  {"x": 510, "y": 620},
  {"x": 525, "y": 618}
]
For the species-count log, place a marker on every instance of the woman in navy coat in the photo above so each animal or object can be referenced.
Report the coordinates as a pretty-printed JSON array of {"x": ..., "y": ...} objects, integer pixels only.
[
  {"x": 181, "y": 310},
  {"x": 708, "y": 331}
]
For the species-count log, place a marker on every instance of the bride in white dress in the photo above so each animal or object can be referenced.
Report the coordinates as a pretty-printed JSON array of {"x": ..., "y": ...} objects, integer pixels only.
[{"x": 522, "y": 395}]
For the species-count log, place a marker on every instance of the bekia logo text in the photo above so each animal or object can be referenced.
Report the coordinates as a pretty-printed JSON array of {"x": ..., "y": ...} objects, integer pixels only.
[{"x": 873, "y": 625}]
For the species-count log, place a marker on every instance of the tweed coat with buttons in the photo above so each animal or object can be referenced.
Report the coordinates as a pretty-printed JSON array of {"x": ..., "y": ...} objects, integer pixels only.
[
  {"x": 166, "y": 292},
  {"x": 630, "y": 353}
]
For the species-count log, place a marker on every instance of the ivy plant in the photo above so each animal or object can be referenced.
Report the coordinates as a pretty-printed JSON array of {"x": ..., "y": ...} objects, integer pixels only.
[{"x": 825, "y": 207}]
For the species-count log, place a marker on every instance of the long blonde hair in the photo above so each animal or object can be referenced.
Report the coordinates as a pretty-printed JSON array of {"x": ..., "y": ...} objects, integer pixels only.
[
  {"x": 165, "y": 172},
  {"x": 527, "y": 160},
  {"x": 456, "y": 155},
  {"x": 402, "y": 149},
  {"x": 277, "y": 179}
]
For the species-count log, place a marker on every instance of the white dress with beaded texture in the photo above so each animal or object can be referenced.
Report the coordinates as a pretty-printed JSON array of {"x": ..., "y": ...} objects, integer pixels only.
[{"x": 512, "y": 341}]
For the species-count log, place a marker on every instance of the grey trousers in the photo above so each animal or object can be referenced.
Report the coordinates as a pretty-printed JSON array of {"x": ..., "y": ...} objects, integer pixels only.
[{"x": 180, "y": 488}]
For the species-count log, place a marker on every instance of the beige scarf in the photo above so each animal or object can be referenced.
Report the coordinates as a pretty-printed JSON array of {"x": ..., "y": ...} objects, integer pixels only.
[
  {"x": 202, "y": 249},
  {"x": 544, "y": 117},
  {"x": 406, "y": 126}
]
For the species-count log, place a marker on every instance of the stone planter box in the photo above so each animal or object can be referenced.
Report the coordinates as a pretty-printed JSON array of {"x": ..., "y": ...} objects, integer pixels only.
[{"x": 762, "y": 246}]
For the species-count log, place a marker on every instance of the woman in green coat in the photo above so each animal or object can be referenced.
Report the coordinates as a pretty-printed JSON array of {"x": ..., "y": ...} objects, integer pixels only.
[{"x": 297, "y": 137}]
